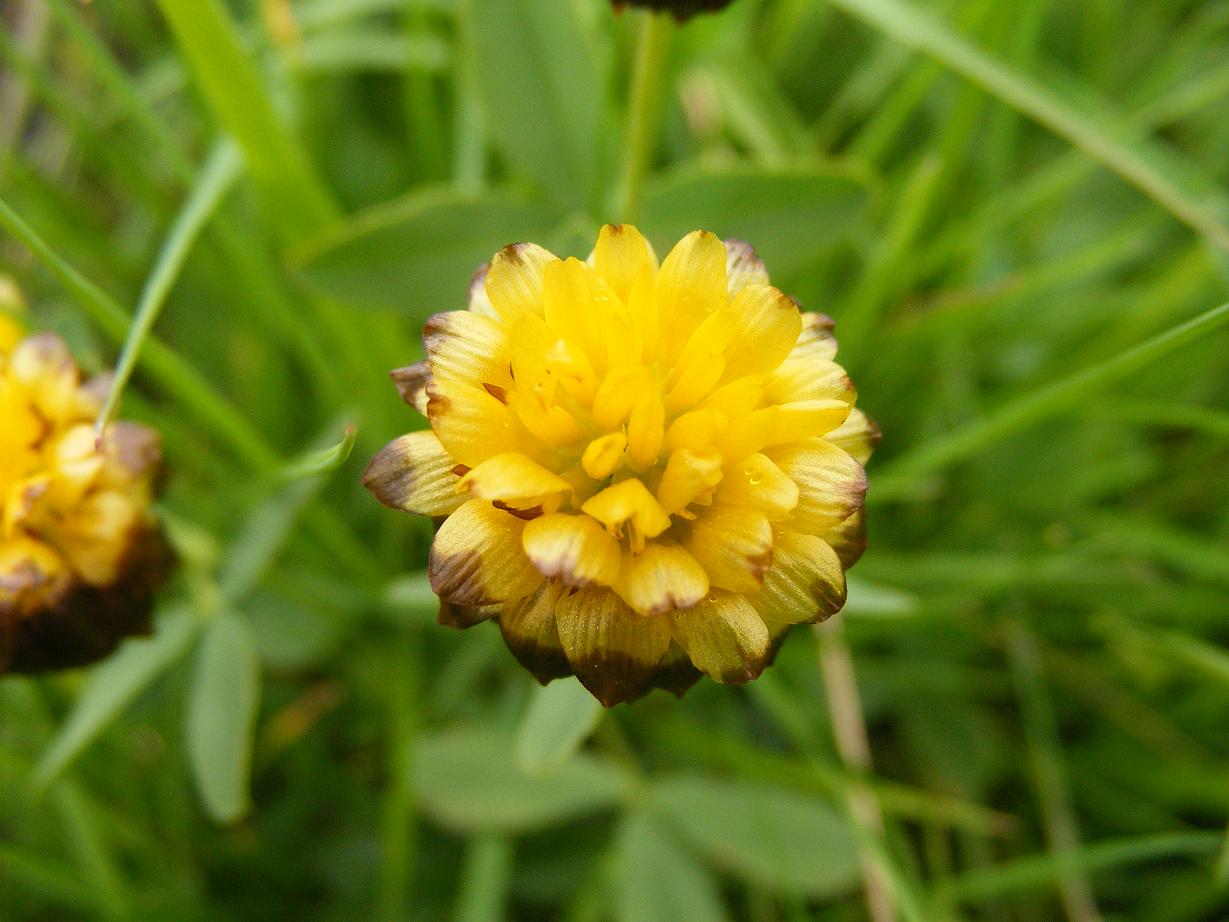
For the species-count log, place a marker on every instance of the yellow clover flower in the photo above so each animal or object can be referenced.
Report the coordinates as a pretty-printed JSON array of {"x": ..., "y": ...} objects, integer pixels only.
[
  {"x": 79, "y": 549},
  {"x": 644, "y": 473}
]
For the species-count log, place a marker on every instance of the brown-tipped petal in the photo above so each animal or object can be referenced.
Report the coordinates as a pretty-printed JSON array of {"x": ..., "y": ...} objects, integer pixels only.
[
  {"x": 467, "y": 347},
  {"x": 572, "y": 548},
  {"x": 676, "y": 674},
  {"x": 766, "y": 324},
  {"x": 858, "y": 435},
  {"x": 734, "y": 546},
  {"x": 661, "y": 578},
  {"x": 412, "y": 382},
  {"x": 479, "y": 301},
  {"x": 528, "y": 626},
  {"x": 132, "y": 451},
  {"x": 414, "y": 473},
  {"x": 831, "y": 484},
  {"x": 43, "y": 365},
  {"x": 848, "y": 539},
  {"x": 724, "y": 636},
  {"x": 742, "y": 266},
  {"x": 805, "y": 584},
  {"x": 612, "y": 650},
  {"x": 477, "y": 559},
  {"x": 464, "y": 616},
  {"x": 514, "y": 281},
  {"x": 816, "y": 342},
  {"x": 620, "y": 254}
]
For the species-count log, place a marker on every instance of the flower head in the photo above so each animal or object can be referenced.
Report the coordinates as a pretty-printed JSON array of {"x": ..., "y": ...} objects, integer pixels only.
[
  {"x": 79, "y": 550},
  {"x": 682, "y": 9},
  {"x": 644, "y": 472}
]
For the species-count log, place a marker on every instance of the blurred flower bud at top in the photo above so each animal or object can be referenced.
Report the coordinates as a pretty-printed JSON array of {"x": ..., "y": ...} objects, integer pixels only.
[
  {"x": 80, "y": 551},
  {"x": 682, "y": 9}
]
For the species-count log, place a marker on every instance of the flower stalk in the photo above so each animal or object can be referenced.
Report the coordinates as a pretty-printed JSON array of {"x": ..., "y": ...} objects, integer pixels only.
[{"x": 643, "y": 112}]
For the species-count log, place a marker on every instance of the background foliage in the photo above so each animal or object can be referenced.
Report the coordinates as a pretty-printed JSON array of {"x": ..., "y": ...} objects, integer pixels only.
[{"x": 997, "y": 201}]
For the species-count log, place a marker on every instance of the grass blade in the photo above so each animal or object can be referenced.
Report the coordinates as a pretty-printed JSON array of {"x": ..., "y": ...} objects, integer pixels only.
[
  {"x": 221, "y": 170},
  {"x": 900, "y": 476},
  {"x": 296, "y": 200},
  {"x": 1139, "y": 163}
]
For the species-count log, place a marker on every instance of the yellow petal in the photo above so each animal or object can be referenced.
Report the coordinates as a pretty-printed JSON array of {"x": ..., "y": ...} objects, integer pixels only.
[
  {"x": 572, "y": 548},
  {"x": 646, "y": 430},
  {"x": 469, "y": 348},
  {"x": 734, "y": 546},
  {"x": 616, "y": 396},
  {"x": 831, "y": 484},
  {"x": 604, "y": 456},
  {"x": 516, "y": 483},
  {"x": 98, "y": 536},
  {"x": 612, "y": 651},
  {"x": 724, "y": 636},
  {"x": 477, "y": 558},
  {"x": 628, "y": 501},
  {"x": 620, "y": 255},
  {"x": 809, "y": 379},
  {"x": 764, "y": 325},
  {"x": 514, "y": 281},
  {"x": 690, "y": 286},
  {"x": 579, "y": 305},
  {"x": 757, "y": 483},
  {"x": 414, "y": 473},
  {"x": 805, "y": 583},
  {"x": 472, "y": 423},
  {"x": 858, "y": 435},
  {"x": 697, "y": 430},
  {"x": 528, "y": 626},
  {"x": 742, "y": 266},
  {"x": 661, "y": 578},
  {"x": 737, "y": 398},
  {"x": 808, "y": 419},
  {"x": 689, "y": 475},
  {"x": 644, "y": 313}
]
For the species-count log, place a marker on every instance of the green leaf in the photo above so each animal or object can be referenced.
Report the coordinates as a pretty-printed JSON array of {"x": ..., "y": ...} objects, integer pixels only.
[
  {"x": 560, "y": 717},
  {"x": 537, "y": 80},
  {"x": 773, "y": 837},
  {"x": 789, "y": 216},
  {"x": 112, "y": 686},
  {"x": 468, "y": 780},
  {"x": 296, "y": 201},
  {"x": 1149, "y": 166},
  {"x": 222, "y": 707},
  {"x": 659, "y": 881},
  {"x": 417, "y": 254}
]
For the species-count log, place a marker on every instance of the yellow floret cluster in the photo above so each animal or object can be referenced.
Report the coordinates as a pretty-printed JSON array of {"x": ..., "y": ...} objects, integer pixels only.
[
  {"x": 78, "y": 545},
  {"x": 645, "y": 471}
]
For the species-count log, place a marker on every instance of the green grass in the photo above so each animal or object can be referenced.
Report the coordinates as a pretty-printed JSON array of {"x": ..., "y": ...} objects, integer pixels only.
[{"x": 1016, "y": 213}]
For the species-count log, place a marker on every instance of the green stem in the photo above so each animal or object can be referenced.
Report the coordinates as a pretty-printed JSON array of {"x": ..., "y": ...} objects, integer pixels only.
[{"x": 643, "y": 112}]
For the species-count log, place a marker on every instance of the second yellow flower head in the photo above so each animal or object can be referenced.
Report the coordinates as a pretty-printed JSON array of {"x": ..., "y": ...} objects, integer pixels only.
[{"x": 646, "y": 472}]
